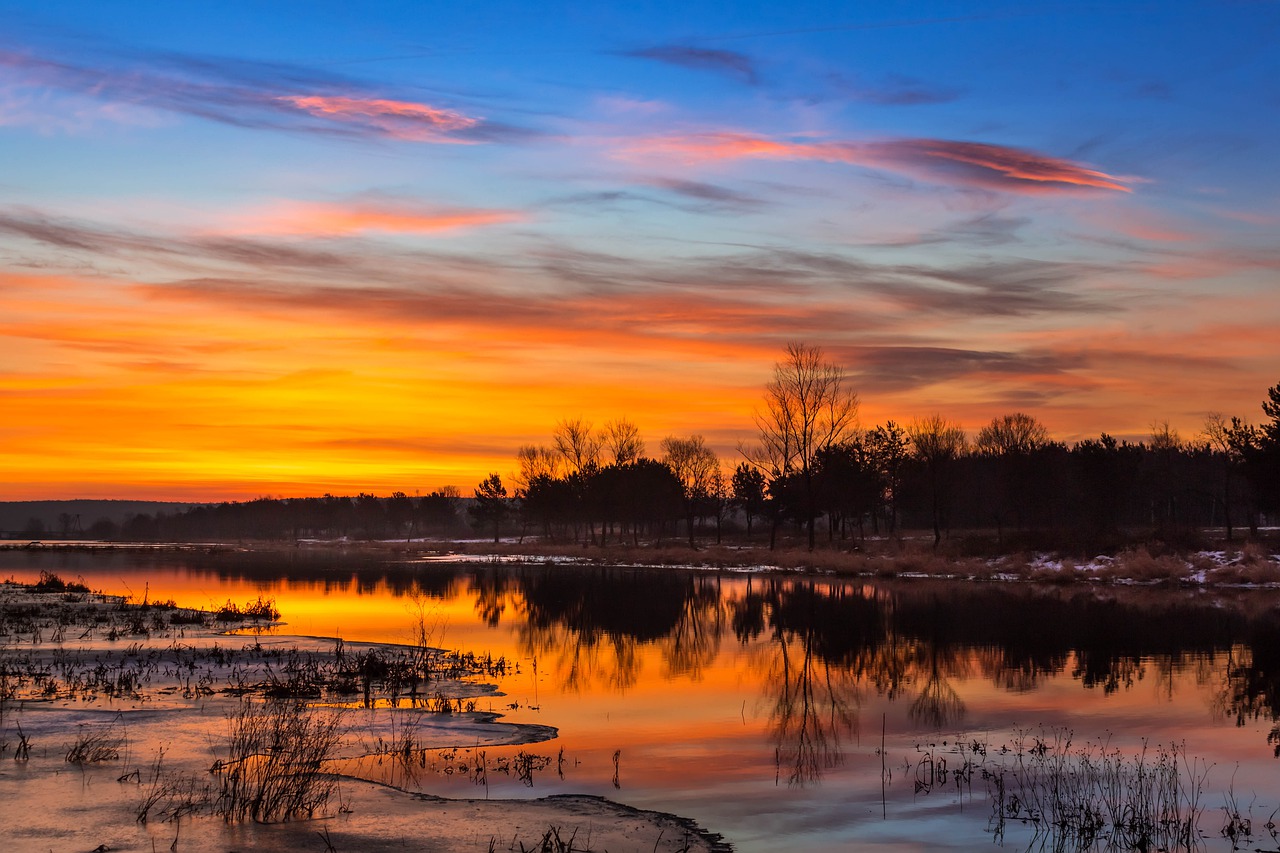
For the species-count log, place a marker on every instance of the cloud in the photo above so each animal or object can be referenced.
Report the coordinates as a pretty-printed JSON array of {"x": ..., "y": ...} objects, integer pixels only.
[
  {"x": 250, "y": 95},
  {"x": 688, "y": 196},
  {"x": 711, "y": 195},
  {"x": 729, "y": 62},
  {"x": 398, "y": 119},
  {"x": 896, "y": 90},
  {"x": 890, "y": 369},
  {"x": 368, "y": 215},
  {"x": 747, "y": 287},
  {"x": 995, "y": 167}
]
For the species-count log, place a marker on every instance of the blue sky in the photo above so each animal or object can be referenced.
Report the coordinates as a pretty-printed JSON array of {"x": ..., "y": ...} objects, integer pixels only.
[{"x": 383, "y": 246}]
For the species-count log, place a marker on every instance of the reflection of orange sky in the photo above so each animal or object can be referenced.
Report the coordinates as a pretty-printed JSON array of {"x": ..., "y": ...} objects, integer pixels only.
[
  {"x": 720, "y": 724},
  {"x": 118, "y": 391}
]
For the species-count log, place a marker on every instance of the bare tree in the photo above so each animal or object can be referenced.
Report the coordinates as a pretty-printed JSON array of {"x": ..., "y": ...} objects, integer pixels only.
[
  {"x": 1218, "y": 434},
  {"x": 696, "y": 466},
  {"x": 1012, "y": 442},
  {"x": 535, "y": 461},
  {"x": 1016, "y": 433},
  {"x": 937, "y": 443},
  {"x": 1164, "y": 438},
  {"x": 808, "y": 406},
  {"x": 577, "y": 444},
  {"x": 622, "y": 438}
]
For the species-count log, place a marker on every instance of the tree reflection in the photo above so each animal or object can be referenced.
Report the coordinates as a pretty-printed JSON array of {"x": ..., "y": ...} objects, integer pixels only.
[
  {"x": 813, "y": 695},
  {"x": 593, "y": 625},
  {"x": 817, "y": 645},
  {"x": 938, "y": 704}
]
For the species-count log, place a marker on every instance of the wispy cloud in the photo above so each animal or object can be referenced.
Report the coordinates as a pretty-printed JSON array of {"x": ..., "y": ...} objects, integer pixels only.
[
  {"x": 684, "y": 195},
  {"x": 980, "y": 164},
  {"x": 417, "y": 281},
  {"x": 399, "y": 119},
  {"x": 729, "y": 62},
  {"x": 891, "y": 369},
  {"x": 253, "y": 95},
  {"x": 366, "y": 215},
  {"x": 896, "y": 90}
]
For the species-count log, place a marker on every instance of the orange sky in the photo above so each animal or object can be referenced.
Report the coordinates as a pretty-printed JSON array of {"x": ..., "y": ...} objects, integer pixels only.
[{"x": 231, "y": 269}]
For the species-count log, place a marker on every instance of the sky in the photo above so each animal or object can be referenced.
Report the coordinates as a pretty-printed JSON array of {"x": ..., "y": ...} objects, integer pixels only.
[{"x": 282, "y": 249}]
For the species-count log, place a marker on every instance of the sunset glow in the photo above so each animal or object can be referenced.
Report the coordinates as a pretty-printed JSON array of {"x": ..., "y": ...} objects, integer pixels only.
[{"x": 261, "y": 252}]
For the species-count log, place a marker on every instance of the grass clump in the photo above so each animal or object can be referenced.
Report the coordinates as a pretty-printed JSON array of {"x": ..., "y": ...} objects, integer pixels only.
[
  {"x": 49, "y": 582},
  {"x": 95, "y": 745},
  {"x": 262, "y": 610},
  {"x": 1090, "y": 797},
  {"x": 275, "y": 770}
]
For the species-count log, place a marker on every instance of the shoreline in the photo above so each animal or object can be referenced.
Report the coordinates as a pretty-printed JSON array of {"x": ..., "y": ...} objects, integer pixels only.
[{"x": 1232, "y": 565}]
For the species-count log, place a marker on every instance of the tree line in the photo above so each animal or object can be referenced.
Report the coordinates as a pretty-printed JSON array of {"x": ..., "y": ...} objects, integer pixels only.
[{"x": 812, "y": 473}]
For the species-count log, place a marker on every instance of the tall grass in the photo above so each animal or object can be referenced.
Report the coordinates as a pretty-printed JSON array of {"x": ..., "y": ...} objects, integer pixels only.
[
  {"x": 275, "y": 771},
  {"x": 1079, "y": 797},
  {"x": 94, "y": 745}
]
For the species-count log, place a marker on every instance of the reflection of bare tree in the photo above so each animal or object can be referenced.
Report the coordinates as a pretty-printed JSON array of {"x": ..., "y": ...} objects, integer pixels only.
[
  {"x": 580, "y": 659},
  {"x": 939, "y": 705},
  {"x": 694, "y": 642},
  {"x": 1110, "y": 672},
  {"x": 815, "y": 706},
  {"x": 813, "y": 692},
  {"x": 1020, "y": 672}
]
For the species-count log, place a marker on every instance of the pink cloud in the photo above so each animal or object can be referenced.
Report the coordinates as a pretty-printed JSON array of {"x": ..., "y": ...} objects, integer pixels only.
[
  {"x": 399, "y": 119},
  {"x": 337, "y": 219},
  {"x": 990, "y": 166}
]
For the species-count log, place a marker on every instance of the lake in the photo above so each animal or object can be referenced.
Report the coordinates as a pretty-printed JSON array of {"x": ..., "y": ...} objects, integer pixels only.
[{"x": 789, "y": 711}]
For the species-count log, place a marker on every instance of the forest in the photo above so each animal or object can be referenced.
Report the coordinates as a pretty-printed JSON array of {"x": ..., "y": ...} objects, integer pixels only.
[{"x": 813, "y": 476}]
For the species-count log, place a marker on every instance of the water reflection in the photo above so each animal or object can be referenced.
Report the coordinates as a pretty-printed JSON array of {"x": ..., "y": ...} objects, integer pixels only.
[{"x": 817, "y": 647}]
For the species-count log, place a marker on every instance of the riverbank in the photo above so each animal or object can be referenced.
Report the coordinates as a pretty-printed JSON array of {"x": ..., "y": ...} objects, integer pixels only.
[{"x": 1222, "y": 564}]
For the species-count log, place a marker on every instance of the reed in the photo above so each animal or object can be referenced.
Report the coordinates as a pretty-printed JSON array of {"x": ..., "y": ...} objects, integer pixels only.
[
  {"x": 1080, "y": 797},
  {"x": 275, "y": 771},
  {"x": 95, "y": 745}
]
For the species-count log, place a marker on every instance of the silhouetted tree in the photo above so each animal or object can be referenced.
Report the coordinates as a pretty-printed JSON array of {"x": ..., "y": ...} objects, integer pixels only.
[
  {"x": 808, "y": 407},
  {"x": 748, "y": 491},
  {"x": 887, "y": 449},
  {"x": 1217, "y": 436},
  {"x": 1012, "y": 442},
  {"x": 577, "y": 445},
  {"x": 439, "y": 510},
  {"x": 1261, "y": 450},
  {"x": 400, "y": 514},
  {"x": 695, "y": 466},
  {"x": 845, "y": 485},
  {"x": 622, "y": 439},
  {"x": 937, "y": 443},
  {"x": 491, "y": 504},
  {"x": 534, "y": 461}
]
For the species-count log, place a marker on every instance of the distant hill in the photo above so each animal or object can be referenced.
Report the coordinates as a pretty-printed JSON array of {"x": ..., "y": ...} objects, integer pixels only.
[{"x": 16, "y": 516}]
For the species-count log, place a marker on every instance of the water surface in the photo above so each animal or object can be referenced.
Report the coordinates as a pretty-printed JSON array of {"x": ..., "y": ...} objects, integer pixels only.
[{"x": 757, "y": 705}]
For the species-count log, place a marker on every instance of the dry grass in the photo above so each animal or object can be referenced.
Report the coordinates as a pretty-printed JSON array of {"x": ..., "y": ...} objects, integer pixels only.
[
  {"x": 275, "y": 769},
  {"x": 95, "y": 745},
  {"x": 1142, "y": 566},
  {"x": 1086, "y": 797}
]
